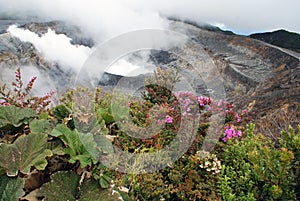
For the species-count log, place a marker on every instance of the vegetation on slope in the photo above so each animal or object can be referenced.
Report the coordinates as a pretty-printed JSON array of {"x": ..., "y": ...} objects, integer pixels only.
[{"x": 60, "y": 152}]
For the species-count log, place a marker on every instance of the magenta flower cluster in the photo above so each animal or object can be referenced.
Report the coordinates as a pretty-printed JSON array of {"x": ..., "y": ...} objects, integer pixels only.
[
  {"x": 230, "y": 132},
  {"x": 168, "y": 119},
  {"x": 186, "y": 100},
  {"x": 204, "y": 101}
]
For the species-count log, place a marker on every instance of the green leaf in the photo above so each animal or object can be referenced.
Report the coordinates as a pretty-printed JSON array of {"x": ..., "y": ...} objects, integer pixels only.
[
  {"x": 103, "y": 183},
  {"x": 11, "y": 189},
  {"x": 40, "y": 126},
  {"x": 84, "y": 159},
  {"x": 81, "y": 147},
  {"x": 67, "y": 185},
  {"x": 70, "y": 138},
  {"x": 89, "y": 146},
  {"x": 124, "y": 195},
  {"x": 63, "y": 186},
  {"x": 107, "y": 117},
  {"x": 61, "y": 112},
  {"x": 60, "y": 130},
  {"x": 27, "y": 151},
  {"x": 44, "y": 115},
  {"x": 56, "y": 147},
  {"x": 104, "y": 144},
  {"x": 15, "y": 116},
  {"x": 119, "y": 111}
]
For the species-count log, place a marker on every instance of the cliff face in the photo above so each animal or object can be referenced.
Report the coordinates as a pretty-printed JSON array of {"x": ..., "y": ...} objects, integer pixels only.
[{"x": 253, "y": 72}]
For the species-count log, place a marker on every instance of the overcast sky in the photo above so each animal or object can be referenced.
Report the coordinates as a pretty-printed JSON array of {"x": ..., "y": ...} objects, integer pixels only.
[
  {"x": 105, "y": 19},
  {"x": 111, "y": 17}
]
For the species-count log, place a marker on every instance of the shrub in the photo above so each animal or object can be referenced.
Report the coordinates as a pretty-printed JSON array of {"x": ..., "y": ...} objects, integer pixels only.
[
  {"x": 20, "y": 95},
  {"x": 255, "y": 168}
]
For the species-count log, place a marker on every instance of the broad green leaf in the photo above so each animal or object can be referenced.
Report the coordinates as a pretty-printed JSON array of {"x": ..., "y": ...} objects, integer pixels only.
[
  {"x": 15, "y": 116},
  {"x": 84, "y": 159},
  {"x": 107, "y": 117},
  {"x": 11, "y": 189},
  {"x": 103, "y": 182},
  {"x": 79, "y": 146},
  {"x": 67, "y": 186},
  {"x": 69, "y": 138},
  {"x": 56, "y": 147},
  {"x": 89, "y": 146},
  {"x": 62, "y": 187},
  {"x": 60, "y": 130},
  {"x": 94, "y": 126},
  {"x": 61, "y": 112},
  {"x": 40, "y": 126},
  {"x": 104, "y": 144},
  {"x": 27, "y": 151},
  {"x": 44, "y": 115}
]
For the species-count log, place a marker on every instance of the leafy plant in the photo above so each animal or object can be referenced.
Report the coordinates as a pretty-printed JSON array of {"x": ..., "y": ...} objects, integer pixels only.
[
  {"x": 11, "y": 189},
  {"x": 63, "y": 115},
  {"x": 80, "y": 147},
  {"x": 274, "y": 168},
  {"x": 102, "y": 174},
  {"x": 255, "y": 168},
  {"x": 40, "y": 126},
  {"x": 291, "y": 141},
  {"x": 75, "y": 188},
  {"x": 159, "y": 87},
  {"x": 15, "y": 116},
  {"x": 20, "y": 96},
  {"x": 27, "y": 151},
  {"x": 115, "y": 112}
]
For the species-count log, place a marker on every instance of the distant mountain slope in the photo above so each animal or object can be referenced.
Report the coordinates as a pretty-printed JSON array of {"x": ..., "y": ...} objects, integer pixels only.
[
  {"x": 281, "y": 38},
  {"x": 254, "y": 74}
]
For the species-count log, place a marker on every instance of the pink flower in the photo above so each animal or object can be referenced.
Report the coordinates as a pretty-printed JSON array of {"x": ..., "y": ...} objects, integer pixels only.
[
  {"x": 219, "y": 103},
  {"x": 204, "y": 101},
  {"x": 168, "y": 119},
  {"x": 230, "y": 132},
  {"x": 201, "y": 103},
  {"x": 3, "y": 102},
  {"x": 244, "y": 111},
  {"x": 237, "y": 133}
]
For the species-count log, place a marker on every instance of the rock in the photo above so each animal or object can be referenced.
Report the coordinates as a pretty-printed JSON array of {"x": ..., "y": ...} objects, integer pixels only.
[{"x": 14, "y": 52}]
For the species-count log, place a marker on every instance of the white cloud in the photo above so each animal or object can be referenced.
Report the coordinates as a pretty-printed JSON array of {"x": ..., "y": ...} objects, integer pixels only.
[
  {"x": 104, "y": 19},
  {"x": 58, "y": 48},
  {"x": 54, "y": 47}
]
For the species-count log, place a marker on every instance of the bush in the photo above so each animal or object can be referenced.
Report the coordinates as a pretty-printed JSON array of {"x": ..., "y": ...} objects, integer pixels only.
[{"x": 254, "y": 167}]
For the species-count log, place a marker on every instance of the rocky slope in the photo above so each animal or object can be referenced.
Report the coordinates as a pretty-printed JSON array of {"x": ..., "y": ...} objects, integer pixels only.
[
  {"x": 254, "y": 74},
  {"x": 281, "y": 38}
]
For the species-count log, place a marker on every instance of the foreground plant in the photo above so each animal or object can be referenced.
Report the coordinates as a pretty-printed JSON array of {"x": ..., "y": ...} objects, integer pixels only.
[
  {"x": 254, "y": 169},
  {"x": 20, "y": 95},
  {"x": 61, "y": 150}
]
